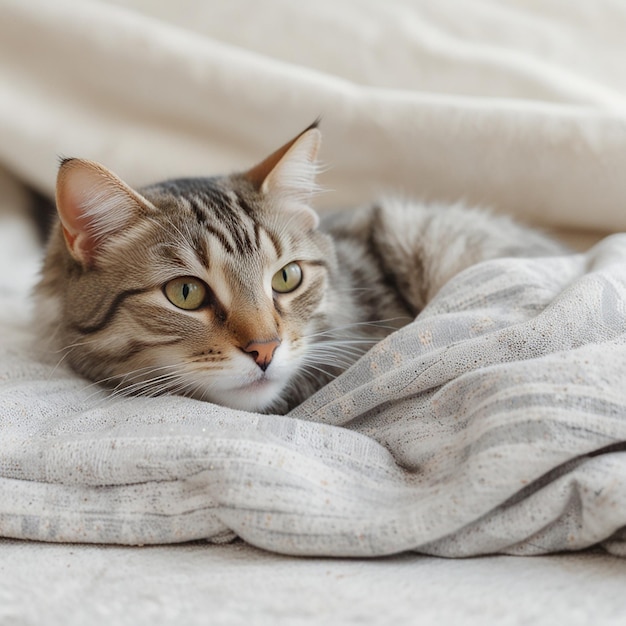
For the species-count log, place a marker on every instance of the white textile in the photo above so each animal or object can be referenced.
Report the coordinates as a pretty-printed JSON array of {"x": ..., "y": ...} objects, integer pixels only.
[{"x": 512, "y": 104}]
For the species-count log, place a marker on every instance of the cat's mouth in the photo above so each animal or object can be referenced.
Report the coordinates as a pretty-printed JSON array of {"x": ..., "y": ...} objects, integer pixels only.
[{"x": 247, "y": 387}]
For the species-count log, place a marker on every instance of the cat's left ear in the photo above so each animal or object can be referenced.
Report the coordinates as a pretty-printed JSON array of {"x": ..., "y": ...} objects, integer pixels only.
[
  {"x": 289, "y": 172},
  {"x": 94, "y": 205}
]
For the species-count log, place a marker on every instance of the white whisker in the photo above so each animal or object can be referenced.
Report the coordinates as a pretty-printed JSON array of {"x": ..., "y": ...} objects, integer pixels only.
[
  {"x": 359, "y": 325},
  {"x": 137, "y": 388}
]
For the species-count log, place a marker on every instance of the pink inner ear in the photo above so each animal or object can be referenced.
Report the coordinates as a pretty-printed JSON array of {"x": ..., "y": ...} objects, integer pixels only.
[{"x": 72, "y": 201}]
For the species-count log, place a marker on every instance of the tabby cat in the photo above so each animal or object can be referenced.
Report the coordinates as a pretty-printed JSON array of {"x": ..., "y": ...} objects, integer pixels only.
[{"x": 229, "y": 290}]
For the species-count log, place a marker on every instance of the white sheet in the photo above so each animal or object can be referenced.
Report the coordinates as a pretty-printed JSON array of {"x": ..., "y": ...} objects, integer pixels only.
[{"x": 518, "y": 107}]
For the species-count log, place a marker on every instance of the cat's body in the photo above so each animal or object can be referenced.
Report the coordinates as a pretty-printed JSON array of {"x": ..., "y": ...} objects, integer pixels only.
[{"x": 226, "y": 289}]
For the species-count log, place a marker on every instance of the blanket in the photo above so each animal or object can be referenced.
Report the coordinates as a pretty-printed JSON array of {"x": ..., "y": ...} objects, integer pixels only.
[{"x": 495, "y": 422}]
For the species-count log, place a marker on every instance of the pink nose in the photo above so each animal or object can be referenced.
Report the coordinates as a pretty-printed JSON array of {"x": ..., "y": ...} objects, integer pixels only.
[{"x": 262, "y": 351}]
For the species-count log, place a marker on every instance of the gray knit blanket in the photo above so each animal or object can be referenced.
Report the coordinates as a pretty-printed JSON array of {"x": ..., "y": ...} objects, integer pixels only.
[{"x": 495, "y": 422}]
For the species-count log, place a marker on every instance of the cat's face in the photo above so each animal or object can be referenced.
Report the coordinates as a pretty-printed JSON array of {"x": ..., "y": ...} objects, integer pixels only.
[{"x": 206, "y": 287}]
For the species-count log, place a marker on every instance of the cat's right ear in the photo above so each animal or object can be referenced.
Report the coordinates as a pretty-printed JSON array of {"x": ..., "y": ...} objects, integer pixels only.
[
  {"x": 289, "y": 173},
  {"x": 93, "y": 204}
]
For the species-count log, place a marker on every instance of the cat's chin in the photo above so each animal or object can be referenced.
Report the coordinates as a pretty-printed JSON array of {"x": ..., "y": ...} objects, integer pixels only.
[{"x": 257, "y": 396}]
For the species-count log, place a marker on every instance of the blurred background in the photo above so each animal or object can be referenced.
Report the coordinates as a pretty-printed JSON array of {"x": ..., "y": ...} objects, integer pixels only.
[{"x": 517, "y": 105}]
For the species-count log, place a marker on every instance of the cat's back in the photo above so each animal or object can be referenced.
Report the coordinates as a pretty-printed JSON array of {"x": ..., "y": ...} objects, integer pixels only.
[{"x": 412, "y": 249}]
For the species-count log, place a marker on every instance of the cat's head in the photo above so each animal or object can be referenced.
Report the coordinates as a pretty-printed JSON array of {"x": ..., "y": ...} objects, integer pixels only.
[{"x": 210, "y": 287}]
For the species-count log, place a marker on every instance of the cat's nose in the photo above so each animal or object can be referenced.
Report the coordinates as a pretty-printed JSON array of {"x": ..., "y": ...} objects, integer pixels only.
[{"x": 262, "y": 351}]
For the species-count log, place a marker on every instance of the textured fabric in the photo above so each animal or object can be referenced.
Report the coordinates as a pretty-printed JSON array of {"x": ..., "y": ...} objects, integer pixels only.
[
  {"x": 516, "y": 105},
  {"x": 493, "y": 423}
]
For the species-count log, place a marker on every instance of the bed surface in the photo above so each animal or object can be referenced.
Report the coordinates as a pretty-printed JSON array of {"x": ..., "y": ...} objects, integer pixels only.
[{"x": 234, "y": 584}]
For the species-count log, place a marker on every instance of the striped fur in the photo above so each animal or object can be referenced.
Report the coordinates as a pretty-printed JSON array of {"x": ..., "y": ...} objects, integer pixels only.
[{"x": 101, "y": 297}]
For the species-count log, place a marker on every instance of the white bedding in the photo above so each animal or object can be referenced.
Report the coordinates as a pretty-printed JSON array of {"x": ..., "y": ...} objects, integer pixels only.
[
  {"x": 495, "y": 423},
  {"x": 514, "y": 104}
]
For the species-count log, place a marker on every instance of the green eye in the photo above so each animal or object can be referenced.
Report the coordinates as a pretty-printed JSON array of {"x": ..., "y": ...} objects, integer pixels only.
[
  {"x": 287, "y": 279},
  {"x": 186, "y": 293}
]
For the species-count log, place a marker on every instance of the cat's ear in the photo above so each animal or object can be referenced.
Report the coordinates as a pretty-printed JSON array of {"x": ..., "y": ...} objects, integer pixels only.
[
  {"x": 290, "y": 171},
  {"x": 93, "y": 204}
]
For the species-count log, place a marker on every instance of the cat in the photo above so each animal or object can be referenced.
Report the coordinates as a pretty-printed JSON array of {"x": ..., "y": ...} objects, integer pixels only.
[{"x": 229, "y": 289}]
